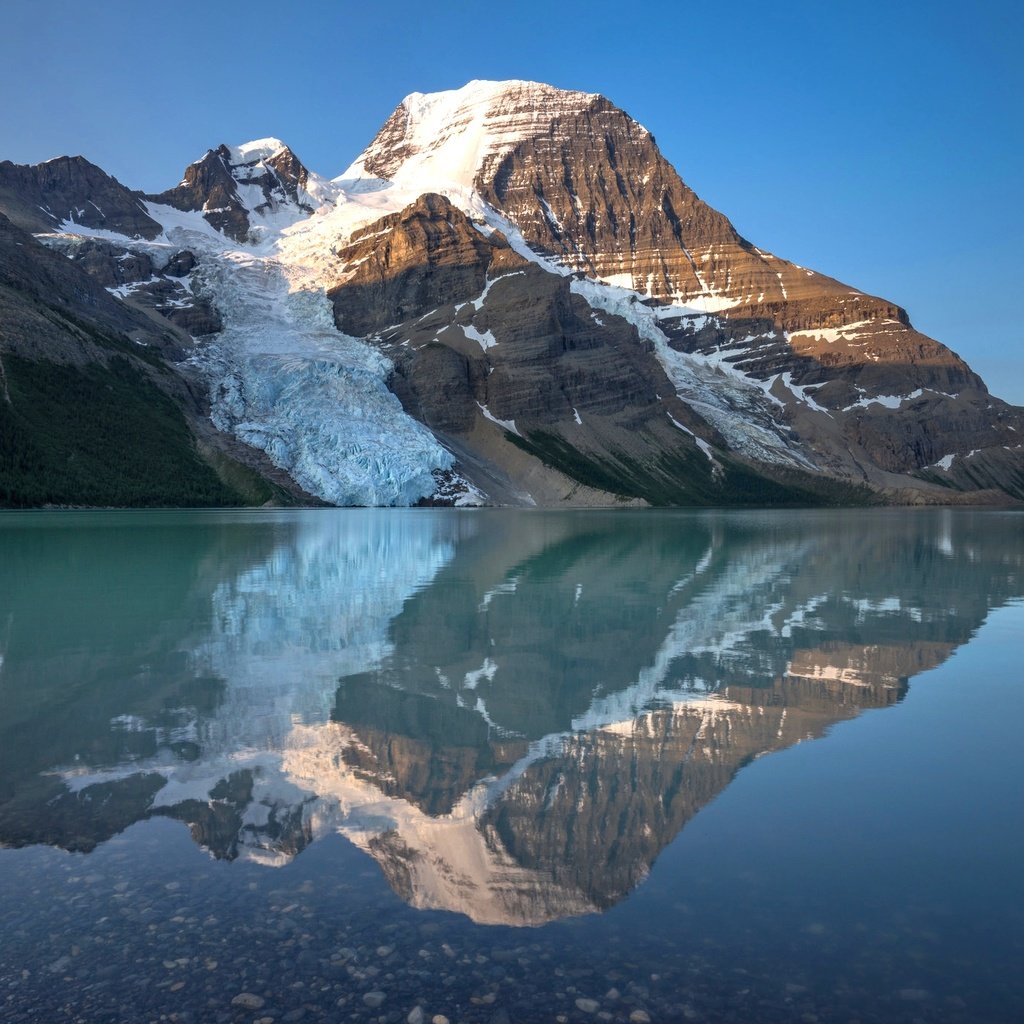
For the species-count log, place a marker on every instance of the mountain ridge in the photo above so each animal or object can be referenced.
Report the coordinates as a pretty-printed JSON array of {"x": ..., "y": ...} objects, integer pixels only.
[{"x": 309, "y": 305}]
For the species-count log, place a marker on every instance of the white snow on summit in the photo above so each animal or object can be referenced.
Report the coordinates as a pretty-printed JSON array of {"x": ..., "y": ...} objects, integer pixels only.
[
  {"x": 257, "y": 149},
  {"x": 449, "y": 135}
]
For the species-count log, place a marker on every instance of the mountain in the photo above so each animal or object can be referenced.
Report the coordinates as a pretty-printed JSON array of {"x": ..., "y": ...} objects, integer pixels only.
[
  {"x": 511, "y": 297},
  {"x": 587, "y": 187}
]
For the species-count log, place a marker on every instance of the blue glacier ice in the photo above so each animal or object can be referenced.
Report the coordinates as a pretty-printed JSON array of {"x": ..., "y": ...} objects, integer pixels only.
[{"x": 283, "y": 379}]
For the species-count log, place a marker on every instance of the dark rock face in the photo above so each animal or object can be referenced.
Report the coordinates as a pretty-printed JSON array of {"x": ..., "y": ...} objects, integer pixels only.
[
  {"x": 181, "y": 264},
  {"x": 548, "y": 357},
  {"x": 141, "y": 283},
  {"x": 209, "y": 186},
  {"x": 618, "y": 208},
  {"x": 287, "y": 175},
  {"x": 994, "y": 468},
  {"x": 43, "y": 196},
  {"x": 195, "y": 315},
  {"x": 595, "y": 191},
  {"x": 905, "y": 405},
  {"x": 407, "y": 264},
  {"x": 34, "y": 279},
  {"x": 110, "y": 265}
]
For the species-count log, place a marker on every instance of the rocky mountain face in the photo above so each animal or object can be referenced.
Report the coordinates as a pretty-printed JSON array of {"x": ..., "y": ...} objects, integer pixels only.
[
  {"x": 146, "y": 283},
  {"x": 493, "y": 353},
  {"x": 40, "y": 286},
  {"x": 409, "y": 263},
  {"x": 511, "y": 297},
  {"x": 69, "y": 192},
  {"x": 580, "y": 179},
  {"x": 587, "y": 187}
]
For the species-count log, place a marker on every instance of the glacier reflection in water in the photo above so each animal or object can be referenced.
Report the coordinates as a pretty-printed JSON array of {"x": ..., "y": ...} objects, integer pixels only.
[{"x": 513, "y": 713}]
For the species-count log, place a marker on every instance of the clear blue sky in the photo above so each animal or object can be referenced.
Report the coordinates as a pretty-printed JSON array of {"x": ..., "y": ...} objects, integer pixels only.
[{"x": 879, "y": 142}]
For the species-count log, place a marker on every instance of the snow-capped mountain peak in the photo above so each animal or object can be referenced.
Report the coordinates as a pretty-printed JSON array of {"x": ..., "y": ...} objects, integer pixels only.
[{"x": 243, "y": 190}]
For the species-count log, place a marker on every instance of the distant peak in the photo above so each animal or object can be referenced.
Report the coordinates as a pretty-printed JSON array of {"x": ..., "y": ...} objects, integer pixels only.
[
  {"x": 247, "y": 154},
  {"x": 257, "y": 149},
  {"x": 66, "y": 158}
]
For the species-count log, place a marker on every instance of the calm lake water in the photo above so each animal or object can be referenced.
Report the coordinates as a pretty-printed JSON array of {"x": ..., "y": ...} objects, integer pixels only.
[{"x": 512, "y": 766}]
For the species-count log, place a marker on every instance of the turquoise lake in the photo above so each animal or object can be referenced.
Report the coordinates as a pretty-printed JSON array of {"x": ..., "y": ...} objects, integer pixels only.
[{"x": 512, "y": 766}]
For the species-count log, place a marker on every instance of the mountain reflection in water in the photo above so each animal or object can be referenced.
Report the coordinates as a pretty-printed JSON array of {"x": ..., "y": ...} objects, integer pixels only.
[{"x": 513, "y": 713}]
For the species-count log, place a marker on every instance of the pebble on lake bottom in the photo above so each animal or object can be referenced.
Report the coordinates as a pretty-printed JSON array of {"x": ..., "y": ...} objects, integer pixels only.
[{"x": 248, "y": 1001}]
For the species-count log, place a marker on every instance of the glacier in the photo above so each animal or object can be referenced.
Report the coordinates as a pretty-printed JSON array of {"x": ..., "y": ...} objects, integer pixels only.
[{"x": 283, "y": 379}]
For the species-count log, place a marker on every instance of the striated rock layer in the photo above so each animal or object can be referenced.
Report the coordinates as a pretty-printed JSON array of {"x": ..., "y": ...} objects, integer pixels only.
[{"x": 503, "y": 360}]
